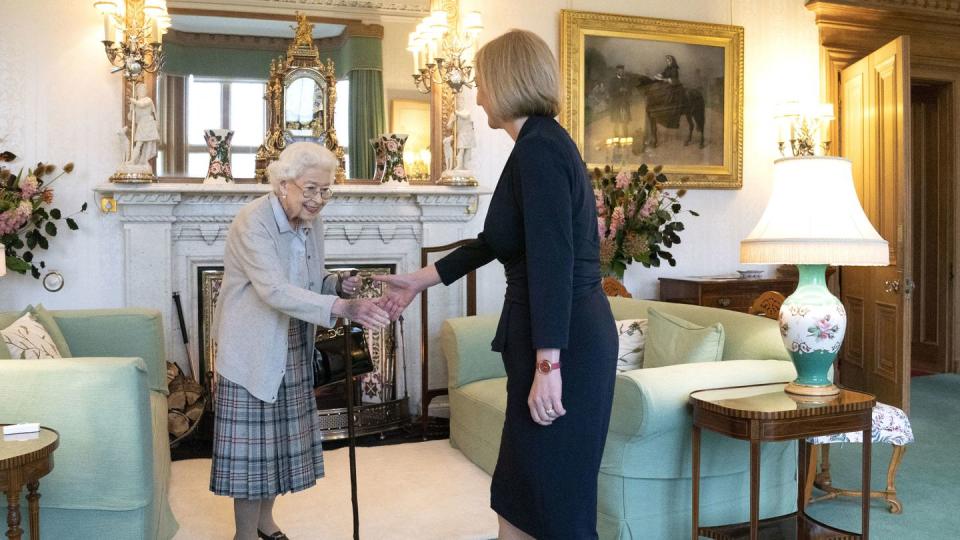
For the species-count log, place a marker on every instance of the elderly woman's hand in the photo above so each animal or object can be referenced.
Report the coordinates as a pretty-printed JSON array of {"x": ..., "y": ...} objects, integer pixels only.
[{"x": 363, "y": 311}]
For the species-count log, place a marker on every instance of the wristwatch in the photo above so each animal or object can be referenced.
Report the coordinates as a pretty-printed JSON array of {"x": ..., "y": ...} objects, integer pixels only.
[{"x": 544, "y": 366}]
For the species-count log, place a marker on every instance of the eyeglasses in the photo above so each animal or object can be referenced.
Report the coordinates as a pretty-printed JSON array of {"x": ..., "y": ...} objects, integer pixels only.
[{"x": 313, "y": 191}]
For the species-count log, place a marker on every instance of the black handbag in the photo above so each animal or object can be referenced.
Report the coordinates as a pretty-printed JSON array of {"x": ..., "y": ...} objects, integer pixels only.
[{"x": 329, "y": 366}]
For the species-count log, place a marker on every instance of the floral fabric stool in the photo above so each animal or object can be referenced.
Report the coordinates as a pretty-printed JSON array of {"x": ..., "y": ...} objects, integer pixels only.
[{"x": 890, "y": 426}]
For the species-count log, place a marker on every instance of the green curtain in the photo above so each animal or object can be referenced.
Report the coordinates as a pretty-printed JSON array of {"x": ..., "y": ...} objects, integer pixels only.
[{"x": 367, "y": 119}]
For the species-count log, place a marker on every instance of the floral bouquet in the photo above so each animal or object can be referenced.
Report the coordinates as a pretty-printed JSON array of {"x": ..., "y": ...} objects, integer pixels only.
[
  {"x": 26, "y": 223},
  {"x": 636, "y": 218}
]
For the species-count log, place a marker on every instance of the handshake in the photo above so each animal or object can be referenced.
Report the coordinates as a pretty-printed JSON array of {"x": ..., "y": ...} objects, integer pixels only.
[{"x": 398, "y": 292}]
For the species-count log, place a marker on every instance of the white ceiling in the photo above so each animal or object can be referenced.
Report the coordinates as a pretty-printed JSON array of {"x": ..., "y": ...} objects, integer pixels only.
[{"x": 247, "y": 27}]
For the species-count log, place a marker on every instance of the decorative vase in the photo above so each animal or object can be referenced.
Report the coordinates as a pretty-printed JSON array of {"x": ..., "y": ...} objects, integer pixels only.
[
  {"x": 812, "y": 323},
  {"x": 388, "y": 152},
  {"x": 218, "y": 145}
]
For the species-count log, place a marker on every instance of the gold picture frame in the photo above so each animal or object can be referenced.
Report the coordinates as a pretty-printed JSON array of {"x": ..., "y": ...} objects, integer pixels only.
[{"x": 631, "y": 87}]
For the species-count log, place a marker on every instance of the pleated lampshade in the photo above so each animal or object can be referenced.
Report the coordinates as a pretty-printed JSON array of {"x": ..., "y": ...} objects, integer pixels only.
[{"x": 814, "y": 217}]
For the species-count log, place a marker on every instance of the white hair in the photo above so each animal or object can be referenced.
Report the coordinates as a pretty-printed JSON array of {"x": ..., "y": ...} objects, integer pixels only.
[{"x": 296, "y": 158}]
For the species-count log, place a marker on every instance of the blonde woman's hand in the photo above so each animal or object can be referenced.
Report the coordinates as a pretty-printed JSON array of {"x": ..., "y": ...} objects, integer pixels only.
[
  {"x": 362, "y": 311},
  {"x": 403, "y": 288},
  {"x": 545, "y": 394}
]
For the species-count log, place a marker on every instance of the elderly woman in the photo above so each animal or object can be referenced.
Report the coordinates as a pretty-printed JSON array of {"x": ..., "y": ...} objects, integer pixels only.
[
  {"x": 275, "y": 291},
  {"x": 542, "y": 225}
]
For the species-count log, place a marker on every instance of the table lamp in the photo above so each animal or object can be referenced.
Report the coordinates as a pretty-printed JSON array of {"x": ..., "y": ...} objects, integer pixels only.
[{"x": 813, "y": 219}]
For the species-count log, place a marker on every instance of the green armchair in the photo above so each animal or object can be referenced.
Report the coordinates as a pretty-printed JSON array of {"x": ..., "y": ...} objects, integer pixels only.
[
  {"x": 109, "y": 403},
  {"x": 644, "y": 482}
]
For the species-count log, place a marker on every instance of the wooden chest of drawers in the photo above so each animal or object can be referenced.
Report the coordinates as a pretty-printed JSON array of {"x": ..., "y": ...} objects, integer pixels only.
[{"x": 735, "y": 294}]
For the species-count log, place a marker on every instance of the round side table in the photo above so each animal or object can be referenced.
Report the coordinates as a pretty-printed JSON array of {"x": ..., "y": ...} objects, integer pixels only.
[{"x": 23, "y": 461}]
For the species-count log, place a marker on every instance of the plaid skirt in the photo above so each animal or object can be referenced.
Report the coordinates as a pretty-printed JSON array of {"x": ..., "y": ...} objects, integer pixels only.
[{"x": 260, "y": 449}]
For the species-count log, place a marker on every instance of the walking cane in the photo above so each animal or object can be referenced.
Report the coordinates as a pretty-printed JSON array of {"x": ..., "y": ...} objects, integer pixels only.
[{"x": 351, "y": 428}]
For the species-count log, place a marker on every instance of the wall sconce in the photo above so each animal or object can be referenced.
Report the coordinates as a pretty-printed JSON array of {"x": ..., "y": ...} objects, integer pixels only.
[
  {"x": 442, "y": 56},
  {"x": 806, "y": 130},
  {"x": 132, "y": 41}
]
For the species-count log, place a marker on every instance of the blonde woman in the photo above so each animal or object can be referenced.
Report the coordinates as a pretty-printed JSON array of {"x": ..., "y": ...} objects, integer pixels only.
[
  {"x": 275, "y": 292},
  {"x": 542, "y": 225}
]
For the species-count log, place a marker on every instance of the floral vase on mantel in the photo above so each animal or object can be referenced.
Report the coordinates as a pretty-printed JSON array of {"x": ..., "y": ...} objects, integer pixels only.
[
  {"x": 218, "y": 145},
  {"x": 388, "y": 152}
]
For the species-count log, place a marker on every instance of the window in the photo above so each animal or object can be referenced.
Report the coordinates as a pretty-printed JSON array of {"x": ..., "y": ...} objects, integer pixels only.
[
  {"x": 196, "y": 103},
  {"x": 236, "y": 105}
]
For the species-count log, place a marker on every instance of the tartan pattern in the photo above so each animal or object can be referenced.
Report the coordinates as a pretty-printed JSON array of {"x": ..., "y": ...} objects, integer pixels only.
[{"x": 260, "y": 449}]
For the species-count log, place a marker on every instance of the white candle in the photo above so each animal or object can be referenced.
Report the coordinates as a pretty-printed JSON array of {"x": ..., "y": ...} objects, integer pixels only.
[
  {"x": 108, "y": 29},
  {"x": 154, "y": 31}
]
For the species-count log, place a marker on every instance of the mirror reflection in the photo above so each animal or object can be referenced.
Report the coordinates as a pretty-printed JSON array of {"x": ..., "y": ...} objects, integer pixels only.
[
  {"x": 303, "y": 113},
  {"x": 216, "y": 74}
]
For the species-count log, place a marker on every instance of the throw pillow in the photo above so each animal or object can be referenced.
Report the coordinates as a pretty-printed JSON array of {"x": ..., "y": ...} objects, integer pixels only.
[
  {"x": 632, "y": 335},
  {"x": 26, "y": 338},
  {"x": 45, "y": 318},
  {"x": 672, "y": 340}
]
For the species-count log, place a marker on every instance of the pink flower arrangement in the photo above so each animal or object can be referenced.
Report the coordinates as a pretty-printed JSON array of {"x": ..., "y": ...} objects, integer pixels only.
[
  {"x": 636, "y": 218},
  {"x": 26, "y": 222},
  {"x": 623, "y": 180}
]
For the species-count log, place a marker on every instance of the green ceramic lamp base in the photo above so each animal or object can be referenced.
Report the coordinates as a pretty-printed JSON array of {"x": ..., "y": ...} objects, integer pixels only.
[{"x": 812, "y": 324}]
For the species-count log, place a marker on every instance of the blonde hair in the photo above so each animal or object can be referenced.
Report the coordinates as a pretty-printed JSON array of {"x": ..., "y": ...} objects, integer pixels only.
[
  {"x": 297, "y": 158},
  {"x": 519, "y": 76}
]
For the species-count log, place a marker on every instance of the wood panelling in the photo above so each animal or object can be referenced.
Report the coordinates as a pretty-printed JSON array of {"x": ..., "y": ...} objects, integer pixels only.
[
  {"x": 874, "y": 135},
  {"x": 887, "y": 321},
  {"x": 853, "y": 342},
  {"x": 852, "y": 29}
]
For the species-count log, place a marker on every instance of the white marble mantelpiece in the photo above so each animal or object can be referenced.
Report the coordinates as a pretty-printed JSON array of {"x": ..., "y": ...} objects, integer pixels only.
[{"x": 172, "y": 229}]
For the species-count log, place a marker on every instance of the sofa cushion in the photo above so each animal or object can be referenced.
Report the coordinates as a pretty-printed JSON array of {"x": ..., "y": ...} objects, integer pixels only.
[
  {"x": 45, "y": 318},
  {"x": 26, "y": 338},
  {"x": 632, "y": 337},
  {"x": 672, "y": 340},
  {"x": 745, "y": 336},
  {"x": 465, "y": 342}
]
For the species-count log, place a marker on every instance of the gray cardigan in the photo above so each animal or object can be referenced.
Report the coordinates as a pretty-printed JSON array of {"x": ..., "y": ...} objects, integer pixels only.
[{"x": 256, "y": 299}]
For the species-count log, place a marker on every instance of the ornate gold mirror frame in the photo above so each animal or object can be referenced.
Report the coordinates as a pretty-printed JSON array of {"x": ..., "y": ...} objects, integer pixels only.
[{"x": 302, "y": 60}]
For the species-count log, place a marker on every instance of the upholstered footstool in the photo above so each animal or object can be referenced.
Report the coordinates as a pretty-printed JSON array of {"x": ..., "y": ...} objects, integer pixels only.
[{"x": 890, "y": 426}]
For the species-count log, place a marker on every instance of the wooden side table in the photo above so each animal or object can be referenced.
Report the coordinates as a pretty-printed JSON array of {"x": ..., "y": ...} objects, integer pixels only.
[
  {"x": 23, "y": 463},
  {"x": 724, "y": 293},
  {"x": 766, "y": 413}
]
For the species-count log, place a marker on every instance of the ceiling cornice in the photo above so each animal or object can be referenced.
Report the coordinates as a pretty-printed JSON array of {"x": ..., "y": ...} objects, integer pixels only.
[{"x": 355, "y": 9}]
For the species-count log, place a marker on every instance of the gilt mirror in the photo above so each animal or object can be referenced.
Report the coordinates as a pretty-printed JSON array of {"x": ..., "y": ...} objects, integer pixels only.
[{"x": 217, "y": 73}]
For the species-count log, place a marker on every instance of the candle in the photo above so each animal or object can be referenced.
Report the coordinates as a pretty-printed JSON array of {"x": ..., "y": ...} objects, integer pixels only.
[
  {"x": 154, "y": 31},
  {"x": 108, "y": 28}
]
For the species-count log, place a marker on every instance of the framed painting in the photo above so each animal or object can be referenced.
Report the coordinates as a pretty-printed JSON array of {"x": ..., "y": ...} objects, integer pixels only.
[{"x": 655, "y": 91}]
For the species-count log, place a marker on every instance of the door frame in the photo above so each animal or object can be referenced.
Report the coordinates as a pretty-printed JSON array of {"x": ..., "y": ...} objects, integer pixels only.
[{"x": 852, "y": 29}]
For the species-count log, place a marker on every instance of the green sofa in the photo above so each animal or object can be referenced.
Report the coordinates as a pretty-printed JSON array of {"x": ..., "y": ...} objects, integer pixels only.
[
  {"x": 109, "y": 403},
  {"x": 644, "y": 482}
]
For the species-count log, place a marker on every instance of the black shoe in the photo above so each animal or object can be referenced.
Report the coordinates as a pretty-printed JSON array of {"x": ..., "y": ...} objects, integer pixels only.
[{"x": 275, "y": 536}]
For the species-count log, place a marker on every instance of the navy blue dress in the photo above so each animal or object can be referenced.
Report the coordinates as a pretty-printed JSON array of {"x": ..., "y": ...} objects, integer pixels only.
[{"x": 542, "y": 225}]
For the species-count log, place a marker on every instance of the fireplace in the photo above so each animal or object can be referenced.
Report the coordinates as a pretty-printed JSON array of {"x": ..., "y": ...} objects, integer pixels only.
[
  {"x": 173, "y": 235},
  {"x": 381, "y": 401}
]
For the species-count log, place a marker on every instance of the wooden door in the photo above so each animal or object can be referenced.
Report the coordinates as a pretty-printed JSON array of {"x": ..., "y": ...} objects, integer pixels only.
[
  {"x": 875, "y": 136},
  {"x": 932, "y": 180}
]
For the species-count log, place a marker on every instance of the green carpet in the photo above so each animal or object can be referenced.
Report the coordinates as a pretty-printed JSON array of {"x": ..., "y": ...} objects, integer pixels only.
[{"x": 928, "y": 483}]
